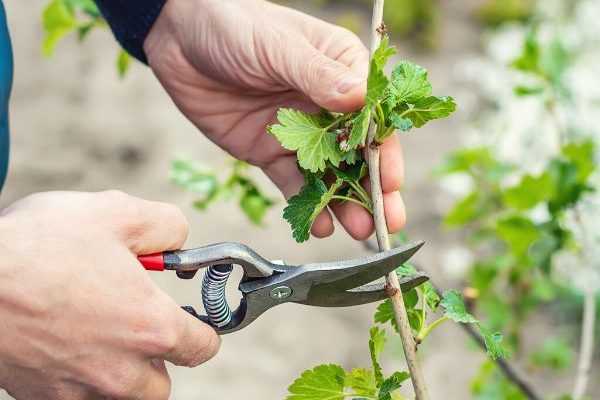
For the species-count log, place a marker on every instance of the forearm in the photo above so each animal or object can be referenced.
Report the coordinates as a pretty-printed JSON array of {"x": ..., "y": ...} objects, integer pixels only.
[{"x": 130, "y": 21}]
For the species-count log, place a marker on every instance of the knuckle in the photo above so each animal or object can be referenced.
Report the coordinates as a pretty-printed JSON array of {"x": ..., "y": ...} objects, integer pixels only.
[
  {"x": 160, "y": 333},
  {"x": 118, "y": 383},
  {"x": 179, "y": 224},
  {"x": 116, "y": 197}
]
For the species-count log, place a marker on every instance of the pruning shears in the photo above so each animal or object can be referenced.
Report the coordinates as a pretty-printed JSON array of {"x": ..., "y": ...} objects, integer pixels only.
[{"x": 266, "y": 284}]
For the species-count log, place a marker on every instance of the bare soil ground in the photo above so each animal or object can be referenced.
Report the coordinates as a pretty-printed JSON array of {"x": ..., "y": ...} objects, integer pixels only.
[{"x": 75, "y": 126}]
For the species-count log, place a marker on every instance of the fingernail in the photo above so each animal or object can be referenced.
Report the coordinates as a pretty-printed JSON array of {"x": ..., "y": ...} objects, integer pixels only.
[{"x": 349, "y": 83}]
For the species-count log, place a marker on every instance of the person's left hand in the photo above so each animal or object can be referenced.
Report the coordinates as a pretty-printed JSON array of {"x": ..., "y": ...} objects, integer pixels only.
[{"x": 229, "y": 65}]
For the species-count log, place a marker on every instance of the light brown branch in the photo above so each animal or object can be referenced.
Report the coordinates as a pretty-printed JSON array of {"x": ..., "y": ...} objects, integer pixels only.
[
  {"x": 586, "y": 348},
  {"x": 408, "y": 342}
]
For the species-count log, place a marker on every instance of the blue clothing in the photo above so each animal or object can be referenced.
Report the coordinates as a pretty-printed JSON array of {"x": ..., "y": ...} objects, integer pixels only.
[
  {"x": 130, "y": 21},
  {"x": 6, "y": 72}
]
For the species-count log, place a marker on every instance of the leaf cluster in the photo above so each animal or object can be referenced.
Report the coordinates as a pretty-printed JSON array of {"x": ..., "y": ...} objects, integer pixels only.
[
  {"x": 63, "y": 17},
  {"x": 424, "y": 300},
  {"x": 332, "y": 382},
  {"x": 205, "y": 183},
  {"x": 329, "y": 145}
]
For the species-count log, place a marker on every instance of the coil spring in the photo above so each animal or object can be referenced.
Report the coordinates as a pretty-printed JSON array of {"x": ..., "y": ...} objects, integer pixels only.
[{"x": 213, "y": 294}]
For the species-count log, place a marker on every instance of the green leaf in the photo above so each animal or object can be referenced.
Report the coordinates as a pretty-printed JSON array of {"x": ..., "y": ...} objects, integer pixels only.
[
  {"x": 376, "y": 344},
  {"x": 432, "y": 298},
  {"x": 324, "y": 382},
  {"x": 406, "y": 269},
  {"x": 491, "y": 384},
  {"x": 518, "y": 232},
  {"x": 493, "y": 343},
  {"x": 58, "y": 21},
  {"x": 401, "y": 123},
  {"x": 523, "y": 91},
  {"x": 411, "y": 298},
  {"x": 391, "y": 384},
  {"x": 429, "y": 108},
  {"x": 454, "y": 307},
  {"x": 581, "y": 154},
  {"x": 304, "y": 207},
  {"x": 474, "y": 161},
  {"x": 255, "y": 205},
  {"x": 385, "y": 313},
  {"x": 554, "y": 60},
  {"x": 529, "y": 59},
  {"x": 464, "y": 211},
  {"x": 362, "y": 382},
  {"x": 409, "y": 84},
  {"x": 308, "y": 135},
  {"x": 87, "y": 6},
  {"x": 360, "y": 128},
  {"x": 123, "y": 63},
  {"x": 195, "y": 178},
  {"x": 377, "y": 82},
  {"x": 530, "y": 191},
  {"x": 554, "y": 353}
]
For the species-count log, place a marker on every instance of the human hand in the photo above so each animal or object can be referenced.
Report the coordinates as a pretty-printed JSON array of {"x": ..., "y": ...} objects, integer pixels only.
[
  {"x": 81, "y": 319},
  {"x": 229, "y": 65}
]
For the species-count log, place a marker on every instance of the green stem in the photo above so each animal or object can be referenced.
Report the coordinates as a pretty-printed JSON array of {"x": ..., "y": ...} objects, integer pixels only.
[
  {"x": 346, "y": 198},
  {"x": 429, "y": 328},
  {"x": 360, "y": 191},
  {"x": 380, "y": 120},
  {"x": 336, "y": 121}
]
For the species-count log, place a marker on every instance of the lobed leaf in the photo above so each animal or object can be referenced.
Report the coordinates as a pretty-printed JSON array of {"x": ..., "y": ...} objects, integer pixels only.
[
  {"x": 324, "y": 382},
  {"x": 362, "y": 382},
  {"x": 429, "y": 108},
  {"x": 376, "y": 344},
  {"x": 391, "y": 384},
  {"x": 308, "y": 135},
  {"x": 303, "y": 208},
  {"x": 454, "y": 307},
  {"x": 409, "y": 84}
]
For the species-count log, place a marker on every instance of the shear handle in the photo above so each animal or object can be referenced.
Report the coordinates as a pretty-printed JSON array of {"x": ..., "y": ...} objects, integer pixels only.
[{"x": 187, "y": 262}]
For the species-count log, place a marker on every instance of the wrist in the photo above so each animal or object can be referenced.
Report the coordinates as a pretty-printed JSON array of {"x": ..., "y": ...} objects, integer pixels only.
[{"x": 166, "y": 28}]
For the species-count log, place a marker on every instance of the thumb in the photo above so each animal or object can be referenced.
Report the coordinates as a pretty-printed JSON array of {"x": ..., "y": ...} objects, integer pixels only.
[
  {"x": 195, "y": 342},
  {"x": 327, "y": 82}
]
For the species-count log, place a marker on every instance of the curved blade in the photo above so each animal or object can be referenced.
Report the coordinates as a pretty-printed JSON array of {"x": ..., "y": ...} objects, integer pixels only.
[
  {"x": 364, "y": 294},
  {"x": 335, "y": 283}
]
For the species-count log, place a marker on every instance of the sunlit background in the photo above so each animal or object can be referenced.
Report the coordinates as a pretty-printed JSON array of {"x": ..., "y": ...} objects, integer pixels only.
[{"x": 77, "y": 124}]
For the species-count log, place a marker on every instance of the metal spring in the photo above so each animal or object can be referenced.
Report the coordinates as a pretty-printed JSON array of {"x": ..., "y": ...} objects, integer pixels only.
[{"x": 213, "y": 294}]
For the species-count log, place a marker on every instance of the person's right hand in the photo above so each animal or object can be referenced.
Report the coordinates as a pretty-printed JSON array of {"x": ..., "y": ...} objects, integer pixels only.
[{"x": 80, "y": 317}]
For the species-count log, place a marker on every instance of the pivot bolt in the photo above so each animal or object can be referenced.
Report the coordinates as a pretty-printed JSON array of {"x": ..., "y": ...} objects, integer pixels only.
[{"x": 281, "y": 292}]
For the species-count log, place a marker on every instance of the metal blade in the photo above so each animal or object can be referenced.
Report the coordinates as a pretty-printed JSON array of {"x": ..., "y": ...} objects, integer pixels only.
[
  {"x": 334, "y": 279},
  {"x": 364, "y": 294}
]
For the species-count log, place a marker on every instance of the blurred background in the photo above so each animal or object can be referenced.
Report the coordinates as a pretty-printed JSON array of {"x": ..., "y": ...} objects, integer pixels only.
[{"x": 78, "y": 125}]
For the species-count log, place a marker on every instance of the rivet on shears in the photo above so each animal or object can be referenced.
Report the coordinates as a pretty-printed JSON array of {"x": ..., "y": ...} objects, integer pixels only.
[{"x": 281, "y": 292}]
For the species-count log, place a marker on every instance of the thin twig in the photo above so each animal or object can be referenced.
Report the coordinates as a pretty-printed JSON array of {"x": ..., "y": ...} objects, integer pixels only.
[
  {"x": 510, "y": 372},
  {"x": 408, "y": 342},
  {"x": 586, "y": 350}
]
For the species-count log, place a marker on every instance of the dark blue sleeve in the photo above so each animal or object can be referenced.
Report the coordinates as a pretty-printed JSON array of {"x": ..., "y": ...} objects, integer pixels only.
[{"x": 130, "y": 21}]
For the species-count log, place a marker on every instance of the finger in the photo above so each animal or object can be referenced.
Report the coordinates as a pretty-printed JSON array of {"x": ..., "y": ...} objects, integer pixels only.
[
  {"x": 285, "y": 175},
  {"x": 395, "y": 211},
  {"x": 323, "y": 225},
  {"x": 358, "y": 222},
  {"x": 354, "y": 218},
  {"x": 391, "y": 164},
  {"x": 157, "y": 384},
  {"x": 327, "y": 82},
  {"x": 145, "y": 226},
  {"x": 195, "y": 341}
]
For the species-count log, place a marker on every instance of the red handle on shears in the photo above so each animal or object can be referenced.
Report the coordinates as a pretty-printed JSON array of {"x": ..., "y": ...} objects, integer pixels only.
[{"x": 153, "y": 262}]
